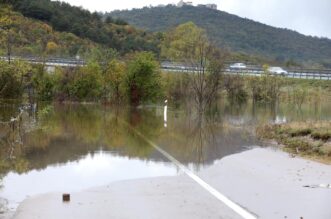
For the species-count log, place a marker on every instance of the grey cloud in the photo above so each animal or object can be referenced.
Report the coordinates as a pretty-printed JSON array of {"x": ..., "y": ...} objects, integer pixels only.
[{"x": 306, "y": 16}]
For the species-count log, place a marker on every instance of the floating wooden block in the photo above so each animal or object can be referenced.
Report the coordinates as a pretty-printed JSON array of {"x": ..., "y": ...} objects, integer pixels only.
[{"x": 66, "y": 197}]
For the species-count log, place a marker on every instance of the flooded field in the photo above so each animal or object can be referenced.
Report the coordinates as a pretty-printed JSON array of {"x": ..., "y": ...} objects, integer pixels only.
[{"x": 69, "y": 148}]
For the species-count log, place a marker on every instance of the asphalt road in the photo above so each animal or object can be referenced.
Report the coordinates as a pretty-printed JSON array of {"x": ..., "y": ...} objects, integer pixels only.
[{"x": 267, "y": 183}]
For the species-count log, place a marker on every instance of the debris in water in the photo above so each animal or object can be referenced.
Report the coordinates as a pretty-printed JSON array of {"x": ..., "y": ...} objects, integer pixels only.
[
  {"x": 323, "y": 186},
  {"x": 66, "y": 197}
]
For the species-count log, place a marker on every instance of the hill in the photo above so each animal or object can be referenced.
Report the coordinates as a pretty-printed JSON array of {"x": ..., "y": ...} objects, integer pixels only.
[
  {"x": 239, "y": 34},
  {"x": 62, "y": 17},
  {"x": 25, "y": 36}
]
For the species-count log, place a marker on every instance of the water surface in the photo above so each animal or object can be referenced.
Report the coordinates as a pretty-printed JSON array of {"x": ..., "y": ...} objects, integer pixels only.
[{"x": 67, "y": 148}]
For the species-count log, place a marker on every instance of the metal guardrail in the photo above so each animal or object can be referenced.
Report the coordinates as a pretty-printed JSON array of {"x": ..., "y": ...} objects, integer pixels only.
[
  {"x": 253, "y": 70},
  {"x": 49, "y": 61},
  {"x": 292, "y": 73}
]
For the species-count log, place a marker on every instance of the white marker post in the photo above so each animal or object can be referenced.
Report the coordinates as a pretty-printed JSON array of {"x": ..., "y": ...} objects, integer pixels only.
[{"x": 165, "y": 114}]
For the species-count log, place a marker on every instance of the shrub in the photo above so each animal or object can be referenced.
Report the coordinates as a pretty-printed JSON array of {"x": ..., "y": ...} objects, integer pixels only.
[
  {"x": 114, "y": 80},
  {"x": 11, "y": 78},
  {"x": 87, "y": 83},
  {"x": 235, "y": 88},
  {"x": 143, "y": 81},
  {"x": 44, "y": 83},
  {"x": 297, "y": 144},
  {"x": 266, "y": 88},
  {"x": 299, "y": 96}
]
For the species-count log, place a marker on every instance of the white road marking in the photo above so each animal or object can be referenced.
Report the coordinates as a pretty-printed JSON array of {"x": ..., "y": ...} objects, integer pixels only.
[{"x": 235, "y": 207}]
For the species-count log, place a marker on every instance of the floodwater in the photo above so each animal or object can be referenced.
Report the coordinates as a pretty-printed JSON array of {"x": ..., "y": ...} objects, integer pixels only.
[{"x": 69, "y": 148}]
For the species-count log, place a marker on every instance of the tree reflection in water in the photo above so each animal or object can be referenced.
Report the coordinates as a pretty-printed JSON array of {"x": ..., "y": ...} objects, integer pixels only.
[
  {"x": 202, "y": 135},
  {"x": 70, "y": 132}
]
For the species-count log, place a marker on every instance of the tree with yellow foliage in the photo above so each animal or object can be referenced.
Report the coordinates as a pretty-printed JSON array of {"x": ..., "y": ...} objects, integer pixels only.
[
  {"x": 113, "y": 79},
  {"x": 51, "y": 47}
]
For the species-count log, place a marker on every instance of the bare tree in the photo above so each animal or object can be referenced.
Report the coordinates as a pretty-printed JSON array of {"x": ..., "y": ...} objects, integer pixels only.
[
  {"x": 204, "y": 62},
  {"x": 206, "y": 73}
]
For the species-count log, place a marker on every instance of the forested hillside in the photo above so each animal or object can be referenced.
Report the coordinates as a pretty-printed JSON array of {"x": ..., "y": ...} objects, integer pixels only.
[
  {"x": 239, "y": 34},
  {"x": 62, "y": 17},
  {"x": 24, "y": 36}
]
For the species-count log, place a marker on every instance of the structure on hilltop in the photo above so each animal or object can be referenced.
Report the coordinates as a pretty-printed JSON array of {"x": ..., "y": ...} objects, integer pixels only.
[
  {"x": 211, "y": 6},
  {"x": 182, "y": 3}
]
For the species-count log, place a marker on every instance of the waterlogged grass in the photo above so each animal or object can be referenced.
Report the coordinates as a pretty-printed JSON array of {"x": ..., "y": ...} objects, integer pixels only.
[
  {"x": 324, "y": 135},
  {"x": 309, "y": 83},
  {"x": 311, "y": 138}
]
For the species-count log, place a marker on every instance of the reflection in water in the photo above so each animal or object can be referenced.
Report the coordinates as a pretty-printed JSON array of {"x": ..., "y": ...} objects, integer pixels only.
[
  {"x": 53, "y": 149},
  {"x": 199, "y": 141},
  {"x": 165, "y": 114},
  {"x": 91, "y": 170}
]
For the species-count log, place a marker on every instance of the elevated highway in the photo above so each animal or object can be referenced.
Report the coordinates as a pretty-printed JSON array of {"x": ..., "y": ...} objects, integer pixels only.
[{"x": 250, "y": 70}]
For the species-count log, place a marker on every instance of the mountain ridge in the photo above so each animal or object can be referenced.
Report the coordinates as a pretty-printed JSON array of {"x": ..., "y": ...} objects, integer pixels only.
[{"x": 239, "y": 34}]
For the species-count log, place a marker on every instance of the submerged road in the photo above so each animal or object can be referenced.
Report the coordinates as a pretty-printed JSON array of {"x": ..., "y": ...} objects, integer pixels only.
[
  {"x": 265, "y": 182},
  {"x": 225, "y": 200}
]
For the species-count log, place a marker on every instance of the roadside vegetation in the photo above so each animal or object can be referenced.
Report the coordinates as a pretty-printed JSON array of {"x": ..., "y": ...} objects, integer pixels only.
[
  {"x": 138, "y": 80},
  {"x": 311, "y": 138}
]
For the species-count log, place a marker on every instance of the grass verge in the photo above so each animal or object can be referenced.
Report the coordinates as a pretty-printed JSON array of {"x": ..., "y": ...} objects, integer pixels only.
[{"x": 310, "y": 139}]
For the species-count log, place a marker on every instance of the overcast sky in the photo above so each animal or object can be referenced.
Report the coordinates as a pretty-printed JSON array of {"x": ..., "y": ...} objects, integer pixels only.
[{"x": 310, "y": 17}]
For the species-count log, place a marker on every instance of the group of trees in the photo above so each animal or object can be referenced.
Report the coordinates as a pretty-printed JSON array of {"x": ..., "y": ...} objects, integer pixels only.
[
  {"x": 263, "y": 89},
  {"x": 267, "y": 87},
  {"x": 136, "y": 77},
  {"x": 188, "y": 44},
  {"x": 137, "y": 80}
]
